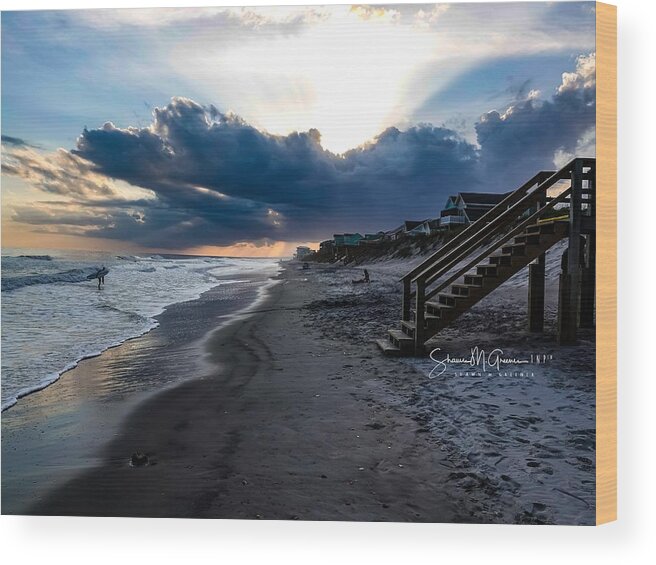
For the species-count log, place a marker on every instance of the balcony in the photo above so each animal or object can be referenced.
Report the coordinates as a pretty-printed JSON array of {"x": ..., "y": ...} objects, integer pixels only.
[{"x": 452, "y": 220}]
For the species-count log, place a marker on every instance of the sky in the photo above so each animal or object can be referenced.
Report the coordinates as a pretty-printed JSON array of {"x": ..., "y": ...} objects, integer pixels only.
[{"x": 248, "y": 131}]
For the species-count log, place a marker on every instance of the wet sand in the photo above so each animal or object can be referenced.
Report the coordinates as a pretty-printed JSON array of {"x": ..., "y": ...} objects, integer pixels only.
[
  {"x": 52, "y": 436},
  {"x": 290, "y": 424}
]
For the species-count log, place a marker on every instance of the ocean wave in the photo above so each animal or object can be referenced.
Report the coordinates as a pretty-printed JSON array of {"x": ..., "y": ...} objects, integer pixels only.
[
  {"x": 127, "y": 310},
  {"x": 54, "y": 377},
  {"x": 132, "y": 315},
  {"x": 36, "y": 257},
  {"x": 70, "y": 276}
]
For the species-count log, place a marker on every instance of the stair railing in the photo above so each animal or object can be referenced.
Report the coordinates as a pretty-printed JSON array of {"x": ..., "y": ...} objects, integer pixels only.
[
  {"x": 444, "y": 252},
  {"x": 562, "y": 197},
  {"x": 490, "y": 225}
]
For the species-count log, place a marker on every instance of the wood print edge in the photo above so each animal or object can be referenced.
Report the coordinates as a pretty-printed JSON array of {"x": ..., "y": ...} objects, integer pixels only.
[{"x": 606, "y": 342}]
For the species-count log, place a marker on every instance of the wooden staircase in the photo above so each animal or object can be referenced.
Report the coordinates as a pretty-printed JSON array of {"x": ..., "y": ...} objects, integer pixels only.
[{"x": 469, "y": 267}]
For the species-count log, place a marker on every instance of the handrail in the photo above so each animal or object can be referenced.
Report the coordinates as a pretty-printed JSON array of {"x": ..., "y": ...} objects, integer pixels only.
[
  {"x": 490, "y": 229},
  {"x": 517, "y": 230},
  {"x": 501, "y": 209},
  {"x": 473, "y": 227}
]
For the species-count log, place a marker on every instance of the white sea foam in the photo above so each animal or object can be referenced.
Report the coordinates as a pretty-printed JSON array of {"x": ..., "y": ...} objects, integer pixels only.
[{"x": 53, "y": 317}]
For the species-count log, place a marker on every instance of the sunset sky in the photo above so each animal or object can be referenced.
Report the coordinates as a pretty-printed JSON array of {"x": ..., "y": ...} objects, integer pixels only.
[{"x": 248, "y": 131}]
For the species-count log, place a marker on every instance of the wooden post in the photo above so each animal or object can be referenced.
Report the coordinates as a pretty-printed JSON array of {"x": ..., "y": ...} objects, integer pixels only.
[
  {"x": 570, "y": 281},
  {"x": 563, "y": 292},
  {"x": 536, "y": 294},
  {"x": 536, "y": 288},
  {"x": 587, "y": 305},
  {"x": 419, "y": 317},
  {"x": 588, "y": 276},
  {"x": 405, "y": 301}
]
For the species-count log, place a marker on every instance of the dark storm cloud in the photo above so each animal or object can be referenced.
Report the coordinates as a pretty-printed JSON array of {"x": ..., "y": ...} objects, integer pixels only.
[
  {"x": 527, "y": 135},
  {"x": 221, "y": 180}
]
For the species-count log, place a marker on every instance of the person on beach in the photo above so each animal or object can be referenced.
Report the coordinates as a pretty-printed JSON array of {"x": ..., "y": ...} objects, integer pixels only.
[
  {"x": 101, "y": 278},
  {"x": 365, "y": 278}
]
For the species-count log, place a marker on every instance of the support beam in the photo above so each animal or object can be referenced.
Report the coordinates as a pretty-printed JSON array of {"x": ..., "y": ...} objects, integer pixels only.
[
  {"x": 588, "y": 276},
  {"x": 419, "y": 317},
  {"x": 587, "y": 304},
  {"x": 570, "y": 287},
  {"x": 536, "y": 287},
  {"x": 536, "y": 294},
  {"x": 406, "y": 299},
  {"x": 565, "y": 335}
]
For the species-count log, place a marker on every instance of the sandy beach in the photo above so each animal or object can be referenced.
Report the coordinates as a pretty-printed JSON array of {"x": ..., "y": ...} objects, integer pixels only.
[
  {"x": 293, "y": 413},
  {"x": 290, "y": 425}
]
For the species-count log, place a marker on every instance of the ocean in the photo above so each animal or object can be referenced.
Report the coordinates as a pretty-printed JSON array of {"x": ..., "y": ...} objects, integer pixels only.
[{"x": 53, "y": 316}]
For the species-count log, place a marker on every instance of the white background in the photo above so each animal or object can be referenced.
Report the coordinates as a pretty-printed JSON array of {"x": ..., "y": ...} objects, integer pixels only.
[{"x": 74, "y": 540}]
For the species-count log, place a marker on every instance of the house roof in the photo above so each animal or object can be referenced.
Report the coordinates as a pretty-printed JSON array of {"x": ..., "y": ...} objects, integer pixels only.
[
  {"x": 482, "y": 198},
  {"x": 412, "y": 224}
]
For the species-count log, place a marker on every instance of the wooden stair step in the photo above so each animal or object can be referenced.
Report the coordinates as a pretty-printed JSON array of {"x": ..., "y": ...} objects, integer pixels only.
[
  {"x": 450, "y": 295},
  {"x": 439, "y": 307},
  {"x": 505, "y": 259},
  {"x": 528, "y": 238},
  {"x": 467, "y": 287},
  {"x": 388, "y": 348},
  {"x": 408, "y": 324},
  {"x": 514, "y": 249},
  {"x": 399, "y": 336},
  {"x": 427, "y": 318},
  {"x": 488, "y": 270},
  {"x": 547, "y": 227},
  {"x": 474, "y": 276}
]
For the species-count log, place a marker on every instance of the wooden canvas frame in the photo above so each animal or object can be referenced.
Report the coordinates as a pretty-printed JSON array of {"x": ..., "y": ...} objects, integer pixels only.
[{"x": 606, "y": 184}]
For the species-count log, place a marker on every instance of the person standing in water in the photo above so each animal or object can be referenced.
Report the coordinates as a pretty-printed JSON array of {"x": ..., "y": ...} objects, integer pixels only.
[{"x": 101, "y": 278}]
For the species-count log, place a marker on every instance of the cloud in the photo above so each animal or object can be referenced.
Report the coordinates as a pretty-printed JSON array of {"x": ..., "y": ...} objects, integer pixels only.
[
  {"x": 528, "y": 134},
  {"x": 61, "y": 172},
  {"x": 206, "y": 177},
  {"x": 429, "y": 17},
  {"x": 376, "y": 13},
  {"x": 218, "y": 180},
  {"x": 284, "y": 20},
  {"x": 585, "y": 146},
  {"x": 15, "y": 141}
]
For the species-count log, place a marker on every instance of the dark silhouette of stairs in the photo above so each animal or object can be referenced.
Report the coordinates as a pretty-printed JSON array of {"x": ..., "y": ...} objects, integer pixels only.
[{"x": 516, "y": 232}]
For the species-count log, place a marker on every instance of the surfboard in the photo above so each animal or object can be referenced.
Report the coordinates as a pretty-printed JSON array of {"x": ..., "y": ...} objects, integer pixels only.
[{"x": 99, "y": 273}]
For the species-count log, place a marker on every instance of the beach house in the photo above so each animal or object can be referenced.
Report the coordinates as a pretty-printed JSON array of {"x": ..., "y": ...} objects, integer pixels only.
[
  {"x": 408, "y": 228},
  {"x": 372, "y": 238},
  {"x": 427, "y": 227},
  {"x": 327, "y": 247},
  {"x": 467, "y": 207},
  {"x": 302, "y": 252},
  {"x": 344, "y": 241}
]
